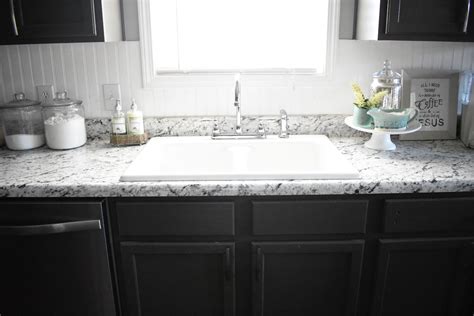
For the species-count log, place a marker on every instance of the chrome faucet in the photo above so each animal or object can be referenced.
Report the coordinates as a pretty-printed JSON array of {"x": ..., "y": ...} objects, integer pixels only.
[
  {"x": 238, "y": 134},
  {"x": 238, "y": 118},
  {"x": 283, "y": 124}
]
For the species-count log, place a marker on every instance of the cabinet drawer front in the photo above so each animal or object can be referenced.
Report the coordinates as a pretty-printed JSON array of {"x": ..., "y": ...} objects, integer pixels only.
[
  {"x": 175, "y": 218},
  {"x": 429, "y": 215},
  {"x": 309, "y": 217}
]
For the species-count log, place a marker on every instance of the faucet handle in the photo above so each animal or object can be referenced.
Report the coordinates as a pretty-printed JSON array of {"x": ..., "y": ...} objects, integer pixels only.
[
  {"x": 261, "y": 130},
  {"x": 215, "y": 130}
]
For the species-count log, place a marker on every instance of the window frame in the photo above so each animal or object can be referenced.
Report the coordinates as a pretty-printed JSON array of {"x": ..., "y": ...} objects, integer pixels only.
[{"x": 264, "y": 77}]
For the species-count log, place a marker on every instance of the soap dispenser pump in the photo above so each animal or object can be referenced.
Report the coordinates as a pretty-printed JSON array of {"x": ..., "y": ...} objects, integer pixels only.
[
  {"x": 118, "y": 120},
  {"x": 135, "y": 120}
]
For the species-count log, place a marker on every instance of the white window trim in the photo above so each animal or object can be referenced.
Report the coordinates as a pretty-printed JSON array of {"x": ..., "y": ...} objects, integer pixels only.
[{"x": 224, "y": 78}]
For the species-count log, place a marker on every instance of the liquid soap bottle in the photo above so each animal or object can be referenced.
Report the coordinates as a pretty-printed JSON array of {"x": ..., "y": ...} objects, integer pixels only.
[
  {"x": 135, "y": 120},
  {"x": 119, "y": 126}
]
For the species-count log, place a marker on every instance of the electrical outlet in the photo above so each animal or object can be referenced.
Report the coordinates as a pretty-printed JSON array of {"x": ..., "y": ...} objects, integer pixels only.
[
  {"x": 111, "y": 94},
  {"x": 45, "y": 93}
]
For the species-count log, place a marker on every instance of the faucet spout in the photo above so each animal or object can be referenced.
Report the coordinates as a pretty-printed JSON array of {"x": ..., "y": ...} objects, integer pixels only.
[
  {"x": 238, "y": 133},
  {"x": 238, "y": 118},
  {"x": 283, "y": 124}
]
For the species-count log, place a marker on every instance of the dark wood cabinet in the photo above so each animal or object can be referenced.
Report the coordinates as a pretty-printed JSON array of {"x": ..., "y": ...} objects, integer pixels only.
[
  {"x": 53, "y": 21},
  {"x": 378, "y": 255},
  {"x": 347, "y": 255},
  {"x": 306, "y": 278},
  {"x": 412, "y": 20},
  {"x": 419, "y": 277},
  {"x": 422, "y": 20},
  {"x": 178, "y": 278}
]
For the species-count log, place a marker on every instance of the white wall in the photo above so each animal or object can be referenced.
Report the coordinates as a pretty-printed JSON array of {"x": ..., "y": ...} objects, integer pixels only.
[{"x": 81, "y": 68}]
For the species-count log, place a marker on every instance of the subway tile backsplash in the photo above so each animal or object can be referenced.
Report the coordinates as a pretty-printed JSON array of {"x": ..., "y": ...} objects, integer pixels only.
[{"x": 82, "y": 68}]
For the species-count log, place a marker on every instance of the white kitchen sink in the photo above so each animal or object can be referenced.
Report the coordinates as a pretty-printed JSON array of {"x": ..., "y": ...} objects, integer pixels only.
[{"x": 202, "y": 158}]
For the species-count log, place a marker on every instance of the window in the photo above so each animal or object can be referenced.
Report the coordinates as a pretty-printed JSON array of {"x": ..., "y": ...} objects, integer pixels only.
[
  {"x": 225, "y": 36},
  {"x": 185, "y": 43}
]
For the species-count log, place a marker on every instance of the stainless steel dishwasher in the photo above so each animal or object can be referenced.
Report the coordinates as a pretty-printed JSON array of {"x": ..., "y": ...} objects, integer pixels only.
[{"x": 54, "y": 259}]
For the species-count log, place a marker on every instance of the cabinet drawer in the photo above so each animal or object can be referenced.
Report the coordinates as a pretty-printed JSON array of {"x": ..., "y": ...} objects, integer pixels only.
[
  {"x": 309, "y": 217},
  {"x": 175, "y": 218},
  {"x": 429, "y": 215}
]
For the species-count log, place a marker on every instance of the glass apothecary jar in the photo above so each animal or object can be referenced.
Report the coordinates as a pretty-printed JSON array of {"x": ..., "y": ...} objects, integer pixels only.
[
  {"x": 64, "y": 122},
  {"x": 22, "y": 124},
  {"x": 390, "y": 81}
]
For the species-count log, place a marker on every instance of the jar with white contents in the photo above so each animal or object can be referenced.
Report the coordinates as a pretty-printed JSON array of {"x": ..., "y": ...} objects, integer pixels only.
[
  {"x": 64, "y": 123},
  {"x": 22, "y": 124}
]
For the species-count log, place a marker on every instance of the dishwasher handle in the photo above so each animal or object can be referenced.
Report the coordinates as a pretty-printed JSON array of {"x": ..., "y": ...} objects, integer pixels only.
[{"x": 48, "y": 229}]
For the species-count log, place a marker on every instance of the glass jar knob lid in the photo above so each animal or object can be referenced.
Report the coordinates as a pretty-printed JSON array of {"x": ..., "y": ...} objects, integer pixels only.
[
  {"x": 20, "y": 100},
  {"x": 62, "y": 99},
  {"x": 387, "y": 74}
]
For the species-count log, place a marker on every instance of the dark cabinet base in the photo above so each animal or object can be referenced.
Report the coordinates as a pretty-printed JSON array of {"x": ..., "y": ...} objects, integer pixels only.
[
  {"x": 325, "y": 255},
  {"x": 378, "y": 255}
]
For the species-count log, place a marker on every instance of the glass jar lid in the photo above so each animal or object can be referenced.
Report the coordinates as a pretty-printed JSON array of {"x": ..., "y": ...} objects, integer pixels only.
[
  {"x": 62, "y": 100},
  {"x": 20, "y": 101},
  {"x": 387, "y": 75}
]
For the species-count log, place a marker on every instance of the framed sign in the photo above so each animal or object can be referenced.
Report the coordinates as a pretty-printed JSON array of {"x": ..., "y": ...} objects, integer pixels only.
[{"x": 435, "y": 95}]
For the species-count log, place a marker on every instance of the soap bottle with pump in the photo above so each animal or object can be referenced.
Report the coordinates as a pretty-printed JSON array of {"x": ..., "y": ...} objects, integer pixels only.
[
  {"x": 119, "y": 126},
  {"x": 135, "y": 120}
]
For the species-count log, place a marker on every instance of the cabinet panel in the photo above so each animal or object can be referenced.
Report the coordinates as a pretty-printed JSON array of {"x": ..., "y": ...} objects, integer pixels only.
[
  {"x": 307, "y": 278},
  {"x": 51, "y": 21},
  {"x": 309, "y": 217},
  {"x": 175, "y": 218},
  {"x": 179, "y": 278},
  {"x": 424, "y": 277},
  {"x": 426, "y": 20},
  {"x": 429, "y": 215}
]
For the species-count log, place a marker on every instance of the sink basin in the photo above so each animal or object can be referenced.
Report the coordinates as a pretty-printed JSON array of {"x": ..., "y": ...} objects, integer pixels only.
[{"x": 201, "y": 158}]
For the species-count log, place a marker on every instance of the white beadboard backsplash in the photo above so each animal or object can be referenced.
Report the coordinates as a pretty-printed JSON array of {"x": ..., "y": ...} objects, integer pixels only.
[{"x": 82, "y": 68}]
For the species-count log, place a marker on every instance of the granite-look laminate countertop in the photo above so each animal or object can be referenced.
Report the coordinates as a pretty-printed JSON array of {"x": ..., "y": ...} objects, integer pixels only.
[{"x": 94, "y": 171}]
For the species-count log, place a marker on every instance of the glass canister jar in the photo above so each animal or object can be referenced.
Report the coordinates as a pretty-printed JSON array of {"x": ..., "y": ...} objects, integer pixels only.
[
  {"x": 390, "y": 81},
  {"x": 2, "y": 137},
  {"x": 64, "y": 122},
  {"x": 22, "y": 123}
]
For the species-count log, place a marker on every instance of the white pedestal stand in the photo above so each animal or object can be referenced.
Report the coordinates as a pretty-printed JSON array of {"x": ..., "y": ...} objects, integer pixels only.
[{"x": 381, "y": 139}]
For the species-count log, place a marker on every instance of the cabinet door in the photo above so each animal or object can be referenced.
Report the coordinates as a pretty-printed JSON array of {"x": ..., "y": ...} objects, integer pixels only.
[
  {"x": 51, "y": 21},
  {"x": 307, "y": 278},
  {"x": 427, "y": 20},
  {"x": 431, "y": 277},
  {"x": 178, "y": 278},
  {"x": 6, "y": 22}
]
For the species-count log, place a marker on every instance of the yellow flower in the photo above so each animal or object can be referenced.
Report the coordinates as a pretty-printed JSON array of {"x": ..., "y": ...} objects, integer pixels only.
[
  {"x": 359, "y": 95},
  {"x": 377, "y": 98},
  {"x": 362, "y": 102}
]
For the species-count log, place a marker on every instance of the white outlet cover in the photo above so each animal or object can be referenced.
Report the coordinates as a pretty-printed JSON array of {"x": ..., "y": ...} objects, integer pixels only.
[
  {"x": 111, "y": 94},
  {"x": 45, "y": 92}
]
